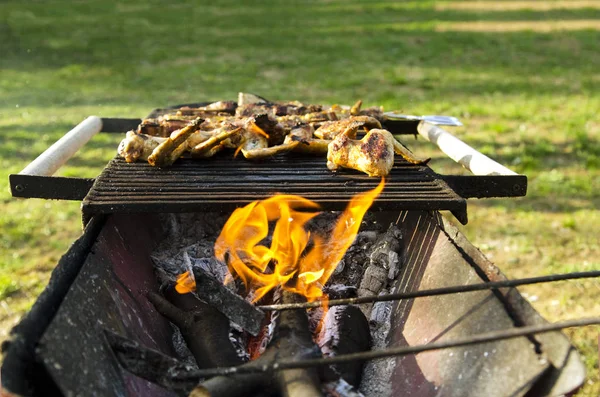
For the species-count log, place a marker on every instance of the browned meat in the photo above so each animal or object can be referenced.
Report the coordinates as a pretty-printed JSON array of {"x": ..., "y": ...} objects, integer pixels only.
[
  {"x": 349, "y": 127},
  {"x": 373, "y": 155}
]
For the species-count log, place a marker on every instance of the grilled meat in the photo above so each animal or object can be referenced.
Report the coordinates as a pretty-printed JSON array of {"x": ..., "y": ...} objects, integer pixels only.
[
  {"x": 163, "y": 154},
  {"x": 224, "y": 107},
  {"x": 373, "y": 155},
  {"x": 303, "y": 134},
  {"x": 161, "y": 127},
  {"x": 407, "y": 155},
  {"x": 138, "y": 146},
  {"x": 259, "y": 128},
  {"x": 349, "y": 126}
]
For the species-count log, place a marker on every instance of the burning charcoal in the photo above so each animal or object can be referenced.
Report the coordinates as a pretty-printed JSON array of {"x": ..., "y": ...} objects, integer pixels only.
[
  {"x": 377, "y": 373},
  {"x": 211, "y": 267},
  {"x": 340, "y": 291},
  {"x": 345, "y": 330},
  {"x": 351, "y": 267},
  {"x": 374, "y": 280},
  {"x": 381, "y": 310},
  {"x": 385, "y": 251}
]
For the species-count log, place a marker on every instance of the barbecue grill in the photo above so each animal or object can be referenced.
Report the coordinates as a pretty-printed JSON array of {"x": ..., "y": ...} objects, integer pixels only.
[{"x": 66, "y": 344}]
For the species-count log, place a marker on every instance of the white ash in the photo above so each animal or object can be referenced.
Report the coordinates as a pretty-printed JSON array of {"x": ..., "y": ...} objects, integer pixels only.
[
  {"x": 373, "y": 282},
  {"x": 329, "y": 335},
  {"x": 341, "y": 388},
  {"x": 181, "y": 350},
  {"x": 385, "y": 251},
  {"x": 261, "y": 341},
  {"x": 238, "y": 338},
  {"x": 377, "y": 373}
]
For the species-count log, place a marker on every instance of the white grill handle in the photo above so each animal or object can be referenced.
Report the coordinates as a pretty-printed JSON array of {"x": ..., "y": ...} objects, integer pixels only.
[
  {"x": 463, "y": 154},
  {"x": 47, "y": 163}
]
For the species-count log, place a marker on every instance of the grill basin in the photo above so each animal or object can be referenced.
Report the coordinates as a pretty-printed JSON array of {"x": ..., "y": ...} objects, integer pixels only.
[{"x": 101, "y": 285}]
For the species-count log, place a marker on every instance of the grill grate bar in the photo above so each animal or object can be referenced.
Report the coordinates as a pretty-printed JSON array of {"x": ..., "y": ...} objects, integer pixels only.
[{"x": 222, "y": 184}]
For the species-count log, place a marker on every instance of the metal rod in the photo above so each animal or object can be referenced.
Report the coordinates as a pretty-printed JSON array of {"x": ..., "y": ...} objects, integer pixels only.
[
  {"x": 61, "y": 151},
  {"x": 436, "y": 291},
  {"x": 391, "y": 352},
  {"x": 463, "y": 154}
]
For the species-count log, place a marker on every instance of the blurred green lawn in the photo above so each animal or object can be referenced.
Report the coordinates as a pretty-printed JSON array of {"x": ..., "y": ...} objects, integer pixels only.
[{"x": 524, "y": 79}]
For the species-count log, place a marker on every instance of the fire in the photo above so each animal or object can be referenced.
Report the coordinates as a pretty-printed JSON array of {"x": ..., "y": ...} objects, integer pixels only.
[
  {"x": 185, "y": 283},
  {"x": 295, "y": 260}
]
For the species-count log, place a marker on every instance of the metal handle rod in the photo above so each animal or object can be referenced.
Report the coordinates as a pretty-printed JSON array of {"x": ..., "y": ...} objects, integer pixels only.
[
  {"x": 436, "y": 291},
  {"x": 389, "y": 352},
  {"x": 457, "y": 150},
  {"x": 47, "y": 163}
]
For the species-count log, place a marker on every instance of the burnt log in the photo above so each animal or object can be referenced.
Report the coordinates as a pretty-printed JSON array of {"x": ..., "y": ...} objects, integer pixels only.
[
  {"x": 345, "y": 331},
  {"x": 213, "y": 292},
  {"x": 293, "y": 340},
  {"x": 204, "y": 328}
]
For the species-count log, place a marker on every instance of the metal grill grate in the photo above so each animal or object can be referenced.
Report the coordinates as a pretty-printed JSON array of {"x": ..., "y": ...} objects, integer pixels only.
[{"x": 223, "y": 183}]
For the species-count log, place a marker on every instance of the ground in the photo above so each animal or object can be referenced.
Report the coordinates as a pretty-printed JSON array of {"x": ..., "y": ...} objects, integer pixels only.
[{"x": 523, "y": 76}]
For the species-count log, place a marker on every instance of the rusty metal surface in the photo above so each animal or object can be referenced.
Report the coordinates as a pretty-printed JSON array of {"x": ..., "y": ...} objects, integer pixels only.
[
  {"x": 567, "y": 372},
  {"x": 108, "y": 294},
  {"x": 503, "y": 368}
]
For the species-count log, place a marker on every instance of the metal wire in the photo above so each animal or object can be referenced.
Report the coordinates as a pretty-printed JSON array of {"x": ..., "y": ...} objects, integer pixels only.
[
  {"x": 391, "y": 352},
  {"x": 435, "y": 291}
]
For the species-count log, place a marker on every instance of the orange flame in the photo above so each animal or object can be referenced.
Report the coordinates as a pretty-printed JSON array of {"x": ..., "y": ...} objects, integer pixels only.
[
  {"x": 285, "y": 263},
  {"x": 185, "y": 283}
]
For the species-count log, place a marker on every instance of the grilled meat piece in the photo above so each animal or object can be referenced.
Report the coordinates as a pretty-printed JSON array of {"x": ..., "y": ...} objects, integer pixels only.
[
  {"x": 275, "y": 131},
  {"x": 167, "y": 152},
  {"x": 376, "y": 112},
  {"x": 407, "y": 155},
  {"x": 227, "y": 107},
  {"x": 217, "y": 136},
  {"x": 276, "y": 109},
  {"x": 260, "y": 153},
  {"x": 349, "y": 127},
  {"x": 373, "y": 155},
  {"x": 303, "y": 134},
  {"x": 161, "y": 127},
  {"x": 138, "y": 146}
]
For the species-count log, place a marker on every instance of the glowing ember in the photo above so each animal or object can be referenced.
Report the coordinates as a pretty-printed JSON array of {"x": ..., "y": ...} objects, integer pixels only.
[
  {"x": 185, "y": 283},
  {"x": 287, "y": 262}
]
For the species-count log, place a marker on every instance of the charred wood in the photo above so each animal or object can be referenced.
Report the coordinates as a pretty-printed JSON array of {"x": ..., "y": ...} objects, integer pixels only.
[
  {"x": 292, "y": 340},
  {"x": 235, "y": 308},
  {"x": 204, "y": 329},
  {"x": 345, "y": 330}
]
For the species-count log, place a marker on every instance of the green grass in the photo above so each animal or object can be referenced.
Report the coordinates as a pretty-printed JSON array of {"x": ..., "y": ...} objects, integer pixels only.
[{"x": 529, "y": 99}]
